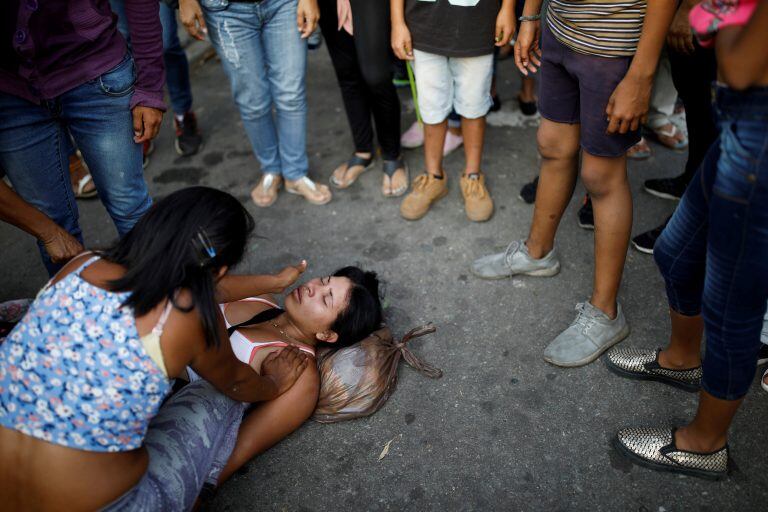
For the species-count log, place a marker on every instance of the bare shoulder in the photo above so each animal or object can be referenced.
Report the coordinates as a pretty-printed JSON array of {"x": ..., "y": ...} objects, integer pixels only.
[{"x": 71, "y": 266}]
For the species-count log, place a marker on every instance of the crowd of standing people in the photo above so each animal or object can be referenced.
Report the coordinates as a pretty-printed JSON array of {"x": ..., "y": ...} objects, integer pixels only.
[{"x": 86, "y": 374}]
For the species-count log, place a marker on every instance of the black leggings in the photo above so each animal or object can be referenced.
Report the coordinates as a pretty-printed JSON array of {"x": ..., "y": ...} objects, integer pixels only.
[
  {"x": 364, "y": 71},
  {"x": 693, "y": 76}
]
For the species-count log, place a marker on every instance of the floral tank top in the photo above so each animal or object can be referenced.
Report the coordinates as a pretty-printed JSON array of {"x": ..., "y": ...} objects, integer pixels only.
[{"x": 74, "y": 372}]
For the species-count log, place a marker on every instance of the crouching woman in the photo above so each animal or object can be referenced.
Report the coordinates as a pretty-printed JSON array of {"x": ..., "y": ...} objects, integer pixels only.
[{"x": 84, "y": 374}]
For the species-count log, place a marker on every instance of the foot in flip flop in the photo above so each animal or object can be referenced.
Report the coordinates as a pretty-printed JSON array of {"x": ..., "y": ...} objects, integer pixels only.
[
  {"x": 311, "y": 191},
  {"x": 82, "y": 181},
  {"x": 265, "y": 193},
  {"x": 670, "y": 135},
  {"x": 347, "y": 173},
  {"x": 639, "y": 151},
  {"x": 395, "y": 179}
]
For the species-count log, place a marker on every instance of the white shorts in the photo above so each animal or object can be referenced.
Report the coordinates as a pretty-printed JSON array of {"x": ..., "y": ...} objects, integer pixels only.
[{"x": 459, "y": 83}]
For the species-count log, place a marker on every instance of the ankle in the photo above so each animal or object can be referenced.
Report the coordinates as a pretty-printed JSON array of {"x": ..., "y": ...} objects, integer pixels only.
[
  {"x": 436, "y": 174},
  {"x": 678, "y": 360},
  {"x": 688, "y": 438},
  {"x": 537, "y": 251},
  {"x": 363, "y": 154},
  {"x": 607, "y": 307},
  {"x": 468, "y": 173}
]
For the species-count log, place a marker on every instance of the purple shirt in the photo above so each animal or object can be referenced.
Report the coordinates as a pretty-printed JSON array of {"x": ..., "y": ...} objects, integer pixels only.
[{"x": 48, "y": 47}]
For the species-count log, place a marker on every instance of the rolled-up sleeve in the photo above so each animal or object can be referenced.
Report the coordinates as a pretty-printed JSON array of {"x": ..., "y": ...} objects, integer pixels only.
[{"x": 143, "y": 17}]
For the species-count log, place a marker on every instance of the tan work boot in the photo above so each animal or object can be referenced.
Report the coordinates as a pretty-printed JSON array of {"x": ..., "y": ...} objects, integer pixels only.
[
  {"x": 477, "y": 200},
  {"x": 265, "y": 193},
  {"x": 426, "y": 189}
]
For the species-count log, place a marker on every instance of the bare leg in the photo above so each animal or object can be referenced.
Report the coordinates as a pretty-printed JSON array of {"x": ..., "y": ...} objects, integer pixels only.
[
  {"x": 606, "y": 182},
  {"x": 559, "y": 149},
  {"x": 434, "y": 139},
  {"x": 684, "y": 350},
  {"x": 709, "y": 429},
  {"x": 527, "y": 89},
  {"x": 473, "y": 131}
]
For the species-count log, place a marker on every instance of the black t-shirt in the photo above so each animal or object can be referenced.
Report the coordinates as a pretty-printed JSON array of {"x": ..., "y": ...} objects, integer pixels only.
[{"x": 454, "y": 28}]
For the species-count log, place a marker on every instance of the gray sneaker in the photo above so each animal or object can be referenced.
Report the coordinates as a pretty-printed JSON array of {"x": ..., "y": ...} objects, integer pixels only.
[
  {"x": 591, "y": 334},
  {"x": 515, "y": 260}
]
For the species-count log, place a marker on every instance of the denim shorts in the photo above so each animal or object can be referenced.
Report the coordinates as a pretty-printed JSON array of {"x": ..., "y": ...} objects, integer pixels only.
[
  {"x": 459, "y": 83},
  {"x": 574, "y": 88},
  {"x": 713, "y": 254}
]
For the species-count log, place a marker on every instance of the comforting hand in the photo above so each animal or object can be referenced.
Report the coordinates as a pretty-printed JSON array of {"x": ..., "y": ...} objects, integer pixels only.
[
  {"x": 146, "y": 123},
  {"x": 680, "y": 35},
  {"x": 505, "y": 26},
  {"x": 192, "y": 18},
  {"x": 289, "y": 275},
  {"x": 628, "y": 106},
  {"x": 527, "y": 51},
  {"x": 284, "y": 367},
  {"x": 306, "y": 17},
  {"x": 401, "y": 42},
  {"x": 60, "y": 245}
]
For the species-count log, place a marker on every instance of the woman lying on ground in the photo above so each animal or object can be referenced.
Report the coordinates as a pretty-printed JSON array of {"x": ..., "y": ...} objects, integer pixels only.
[
  {"x": 333, "y": 311},
  {"x": 84, "y": 374}
]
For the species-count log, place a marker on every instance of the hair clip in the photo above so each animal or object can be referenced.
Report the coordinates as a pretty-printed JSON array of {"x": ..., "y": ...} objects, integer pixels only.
[{"x": 206, "y": 243}]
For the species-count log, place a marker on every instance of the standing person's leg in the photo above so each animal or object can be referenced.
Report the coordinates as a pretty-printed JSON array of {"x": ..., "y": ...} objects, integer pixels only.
[
  {"x": 600, "y": 322},
  {"x": 354, "y": 94},
  {"x": 435, "y": 86},
  {"x": 188, "y": 138},
  {"x": 734, "y": 293},
  {"x": 99, "y": 117},
  {"x": 34, "y": 154},
  {"x": 680, "y": 254},
  {"x": 285, "y": 53},
  {"x": 472, "y": 81},
  {"x": 374, "y": 54},
  {"x": 235, "y": 33},
  {"x": 558, "y": 144}
]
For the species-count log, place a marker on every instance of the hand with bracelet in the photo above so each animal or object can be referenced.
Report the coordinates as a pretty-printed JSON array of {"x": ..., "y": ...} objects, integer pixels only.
[{"x": 527, "y": 51}]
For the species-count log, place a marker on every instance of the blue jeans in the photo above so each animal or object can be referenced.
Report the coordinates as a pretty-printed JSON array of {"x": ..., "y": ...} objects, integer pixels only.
[
  {"x": 176, "y": 63},
  {"x": 713, "y": 254},
  {"x": 34, "y": 150},
  {"x": 266, "y": 62}
]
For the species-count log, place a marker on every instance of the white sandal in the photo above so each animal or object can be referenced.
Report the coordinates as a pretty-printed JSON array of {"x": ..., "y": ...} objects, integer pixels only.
[
  {"x": 762, "y": 380},
  {"x": 311, "y": 191}
]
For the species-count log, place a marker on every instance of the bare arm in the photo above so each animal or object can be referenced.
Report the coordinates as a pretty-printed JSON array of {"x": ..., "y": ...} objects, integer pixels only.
[
  {"x": 628, "y": 104},
  {"x": 742, "y": 54},
  {"x": 401, "y": 36},
  {"x": 59, "y": 244},
  {"x": 271, "y": 422},
  {"x": 219, "y": 366},
  {"x": 232, "y": 288}
]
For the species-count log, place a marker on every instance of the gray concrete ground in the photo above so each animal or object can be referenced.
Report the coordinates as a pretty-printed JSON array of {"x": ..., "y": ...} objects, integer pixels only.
[{"x": 502, "y": 430}]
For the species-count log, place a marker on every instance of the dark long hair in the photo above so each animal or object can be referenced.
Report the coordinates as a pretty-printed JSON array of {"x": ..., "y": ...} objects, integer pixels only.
[
  {"x": 363, "y": 313},
  {"x": 180, "y": 243}
]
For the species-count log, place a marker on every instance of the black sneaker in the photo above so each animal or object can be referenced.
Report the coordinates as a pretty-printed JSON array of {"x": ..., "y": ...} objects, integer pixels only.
[
  {"x": 644, "y": 242},
  {"x": 528, "y": 192},
  {"x": 667, "y": 188},
  {"x": 762, "y": 358},
  {"x": 188, "y": 138},
  {"x": 496, "y": 106},
  {"x": 586, "y": 216}
]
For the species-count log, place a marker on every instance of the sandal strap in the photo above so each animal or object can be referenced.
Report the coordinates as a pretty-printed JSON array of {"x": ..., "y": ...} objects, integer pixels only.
[
  {"x": 356, "y": 160},
  {"x": 390, "y": 167}
]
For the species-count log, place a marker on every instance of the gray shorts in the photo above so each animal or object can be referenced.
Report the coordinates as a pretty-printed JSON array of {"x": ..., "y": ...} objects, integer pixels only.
[
  {"x": 189, "y": 442},
  {"x": 574, "y": 88}
]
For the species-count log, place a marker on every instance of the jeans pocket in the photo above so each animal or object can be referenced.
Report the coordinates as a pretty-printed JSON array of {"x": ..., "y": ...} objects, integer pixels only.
[
  {"x": 214, "y": 5},
  {"x": 119, "y": 81},
  {"x": 736, "y": 176}
]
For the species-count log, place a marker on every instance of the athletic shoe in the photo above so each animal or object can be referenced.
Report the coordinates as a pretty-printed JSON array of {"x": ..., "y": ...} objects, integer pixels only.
[
  {"x": 188, "y": 138},
  {"x": 644, "y": 242},
  {"x": 528, "y": 192},
  {"x": 586, "y": 216},
  {"x": 590, "y": 334},
  {"x": 667, "y": 188},
  {"x": 515, "y": 260}
]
